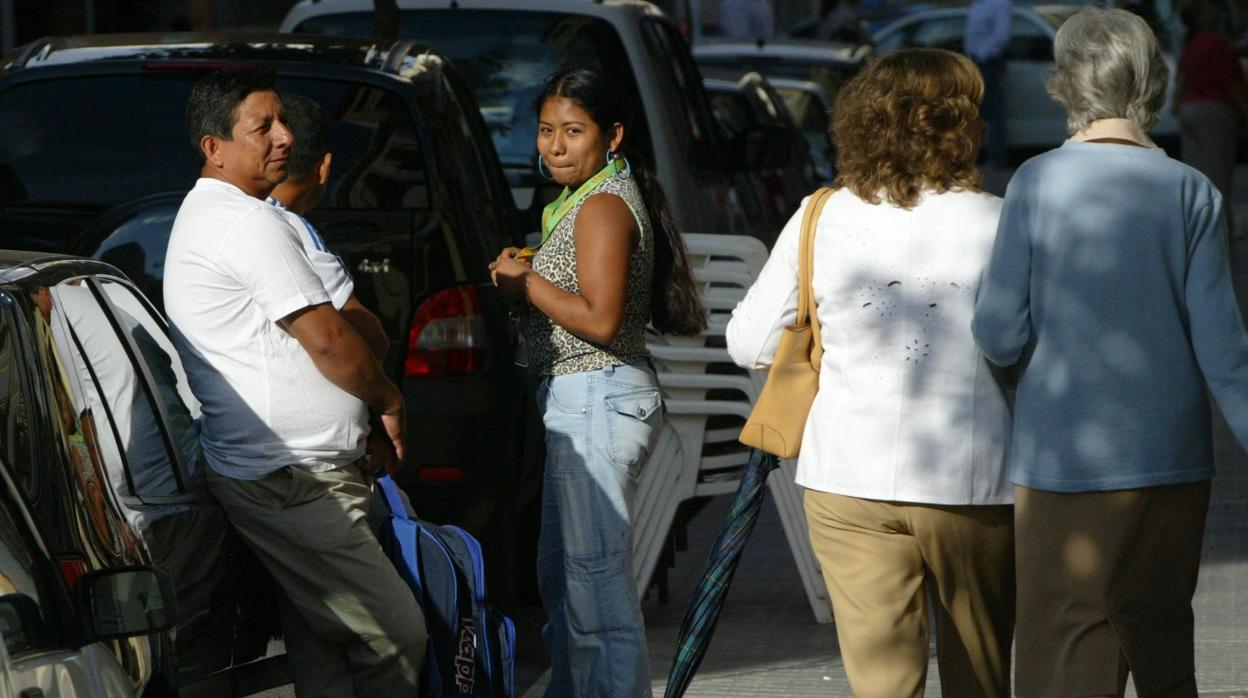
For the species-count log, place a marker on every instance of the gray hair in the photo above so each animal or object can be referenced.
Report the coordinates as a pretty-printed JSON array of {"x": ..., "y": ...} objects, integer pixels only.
[{"x": 1108, "y": 66}]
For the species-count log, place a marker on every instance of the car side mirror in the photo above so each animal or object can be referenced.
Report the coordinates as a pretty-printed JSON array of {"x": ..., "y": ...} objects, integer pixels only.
[
  {"x": 763, "y": 147},
  {"x": 126, "y": 601}
]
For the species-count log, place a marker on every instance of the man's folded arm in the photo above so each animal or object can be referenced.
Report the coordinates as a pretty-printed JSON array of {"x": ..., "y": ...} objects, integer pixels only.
[{"x": 343, "y": 357}]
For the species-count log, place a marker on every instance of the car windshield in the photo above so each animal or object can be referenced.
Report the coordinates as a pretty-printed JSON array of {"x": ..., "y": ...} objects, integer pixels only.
[
  {"x": 103, "y": 150},
  {"x": 503, "y": 56}
]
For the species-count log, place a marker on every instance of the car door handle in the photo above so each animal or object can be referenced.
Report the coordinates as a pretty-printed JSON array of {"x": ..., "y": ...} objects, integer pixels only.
[{"x": 31, "y": 693}]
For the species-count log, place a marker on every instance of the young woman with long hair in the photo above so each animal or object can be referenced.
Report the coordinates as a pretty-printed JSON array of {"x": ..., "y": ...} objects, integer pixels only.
[{"x": 610, "y": 263}]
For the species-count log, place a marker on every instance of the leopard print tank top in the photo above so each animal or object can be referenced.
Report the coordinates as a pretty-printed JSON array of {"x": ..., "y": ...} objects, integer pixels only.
[{"x": 554, "y": 351}]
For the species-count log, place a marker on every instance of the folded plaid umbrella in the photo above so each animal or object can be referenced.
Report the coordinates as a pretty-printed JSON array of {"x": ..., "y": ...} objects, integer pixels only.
[{"x": 721, "y": 564}]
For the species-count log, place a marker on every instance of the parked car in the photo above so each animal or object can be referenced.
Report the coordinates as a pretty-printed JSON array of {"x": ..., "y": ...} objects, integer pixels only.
[
  {"x": 1033, "y": 119},
  {"x": 416, "y": 206},
  {"x": 55, "y": 643},
  {"x": 826, "y": 63},
  {"x": 811, "y": 109},
  {"x": 505, "y": 48},
  {"x": 744, "y": 105},
  {"x": 113, "y": 560}
]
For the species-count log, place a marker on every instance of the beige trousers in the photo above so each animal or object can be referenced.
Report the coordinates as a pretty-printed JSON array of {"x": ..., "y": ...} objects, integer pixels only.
[
  {"x": 352, "y": 626},
  {"x": 878, "y": 558}
]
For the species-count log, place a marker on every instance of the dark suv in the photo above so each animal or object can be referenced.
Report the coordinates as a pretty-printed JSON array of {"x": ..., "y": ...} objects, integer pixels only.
[{"x": 96, "y": 162}]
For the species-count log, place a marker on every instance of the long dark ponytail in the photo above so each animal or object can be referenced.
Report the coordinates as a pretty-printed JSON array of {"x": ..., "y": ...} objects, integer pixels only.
[{"x": 675, "y": 303}]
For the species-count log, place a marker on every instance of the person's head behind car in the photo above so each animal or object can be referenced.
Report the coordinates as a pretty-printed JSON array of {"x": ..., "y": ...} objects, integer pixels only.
[
  {"x": 1108, "y": 66},
  {"x": 308, "y": 170},
  {"x": 909, "y": 122},
  {"x": 235, "y": 120}
]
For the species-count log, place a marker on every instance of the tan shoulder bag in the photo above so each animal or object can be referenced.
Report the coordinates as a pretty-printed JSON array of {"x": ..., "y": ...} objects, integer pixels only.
[{"x": 779, "y": 415}]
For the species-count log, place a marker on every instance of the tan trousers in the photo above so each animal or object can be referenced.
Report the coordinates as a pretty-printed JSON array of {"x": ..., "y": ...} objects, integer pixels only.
[
  {"x": 352, "y": 625},
  {"x": 875, "y": 557}
]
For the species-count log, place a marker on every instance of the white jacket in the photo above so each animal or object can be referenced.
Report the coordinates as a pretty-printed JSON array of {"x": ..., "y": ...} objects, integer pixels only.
[{"x": 908, "y": 409}]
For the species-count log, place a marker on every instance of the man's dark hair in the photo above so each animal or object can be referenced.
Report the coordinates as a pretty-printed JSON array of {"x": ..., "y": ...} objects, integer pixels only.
[
  {"x": 307, "y": 123},
  {"x": 213, "y": 106}
]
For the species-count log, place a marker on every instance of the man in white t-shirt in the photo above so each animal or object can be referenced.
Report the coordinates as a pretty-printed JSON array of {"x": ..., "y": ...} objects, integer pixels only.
[{"x": 286, "y": 387}]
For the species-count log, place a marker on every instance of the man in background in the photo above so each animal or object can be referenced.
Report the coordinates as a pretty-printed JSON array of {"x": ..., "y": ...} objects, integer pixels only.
[
  {"x": 985, "y": 41},
  {"x": 747, "y": 19},
  {"x": 307, "y": 178}
]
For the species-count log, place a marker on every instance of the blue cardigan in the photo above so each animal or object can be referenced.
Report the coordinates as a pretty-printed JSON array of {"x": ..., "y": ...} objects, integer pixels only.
[{"x": 1110, "y": 285}]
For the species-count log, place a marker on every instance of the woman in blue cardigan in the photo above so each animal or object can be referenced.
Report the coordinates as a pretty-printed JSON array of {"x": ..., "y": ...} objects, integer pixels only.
[{"x": 1109, "y": 287}]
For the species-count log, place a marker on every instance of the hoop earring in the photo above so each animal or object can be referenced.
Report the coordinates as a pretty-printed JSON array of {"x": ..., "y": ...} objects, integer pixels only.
[
  {"x": 541, "y": 169},
  {"x": 628, "y": 168}
]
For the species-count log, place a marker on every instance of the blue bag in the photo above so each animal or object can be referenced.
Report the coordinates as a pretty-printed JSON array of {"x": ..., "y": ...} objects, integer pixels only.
[{"x": 472, "y": 647}]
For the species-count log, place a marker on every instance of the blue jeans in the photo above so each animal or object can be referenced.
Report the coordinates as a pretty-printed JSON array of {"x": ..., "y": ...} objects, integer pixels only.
[{"x": 600, "y": 428}]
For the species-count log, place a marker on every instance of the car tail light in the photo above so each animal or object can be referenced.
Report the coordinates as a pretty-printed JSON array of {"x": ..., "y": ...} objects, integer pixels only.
[
  {"x": 72, "y": 569},
  {"x": 448, "y": 336},
  {"x": 452, "y": 473}
]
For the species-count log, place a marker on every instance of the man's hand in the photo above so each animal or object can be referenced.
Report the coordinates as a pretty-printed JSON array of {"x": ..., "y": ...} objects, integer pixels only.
[
  {"x": 381, "y": 451},
  {"x": 392, "y": 432}
]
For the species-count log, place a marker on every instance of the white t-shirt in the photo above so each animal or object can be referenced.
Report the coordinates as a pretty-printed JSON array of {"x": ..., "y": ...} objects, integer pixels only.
[
  {"x": 329, "y": 266},
  {"x": 234, "y": 268},
  {"x": 908, "y": 409}
]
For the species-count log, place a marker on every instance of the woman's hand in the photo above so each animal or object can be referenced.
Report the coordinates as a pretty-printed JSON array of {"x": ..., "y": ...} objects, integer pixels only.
[{"x": 509, "y": 274}]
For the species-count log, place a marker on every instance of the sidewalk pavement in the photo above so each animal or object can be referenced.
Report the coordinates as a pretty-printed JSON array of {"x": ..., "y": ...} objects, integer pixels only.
[{"x": 768, "y": 644}]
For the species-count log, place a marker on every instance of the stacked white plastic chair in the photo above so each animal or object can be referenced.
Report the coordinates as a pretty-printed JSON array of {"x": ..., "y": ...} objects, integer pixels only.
[{"x": 707, "y": 401}]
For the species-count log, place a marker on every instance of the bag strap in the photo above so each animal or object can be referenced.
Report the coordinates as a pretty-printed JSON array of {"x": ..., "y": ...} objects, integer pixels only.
[
  {"x": 806, "y": 310},
  {"x": 393, "y": 500}
]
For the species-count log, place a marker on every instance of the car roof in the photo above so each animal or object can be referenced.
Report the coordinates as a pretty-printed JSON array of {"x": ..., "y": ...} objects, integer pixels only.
[
  {"x": 315, "y": 8},
  {"x": 724, "y": 73},
  {"x": 18, "y": 265},
  {"x": 803, "y": 85},
  {"x": 226, "y": 47},
  {"x": 1043, "y": 13},
  {"x": 720, "y": 85},
  {"x": 797, "y": 50}
]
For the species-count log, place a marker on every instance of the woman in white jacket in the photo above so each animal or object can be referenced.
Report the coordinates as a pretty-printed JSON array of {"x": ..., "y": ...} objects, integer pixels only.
[{"x": 904, "y": 448}]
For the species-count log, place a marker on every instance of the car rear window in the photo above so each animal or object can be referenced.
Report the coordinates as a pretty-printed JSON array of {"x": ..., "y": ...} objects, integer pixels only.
[
  {"x": 503, "y": 56},
  {"x": 124, "y": 136}
]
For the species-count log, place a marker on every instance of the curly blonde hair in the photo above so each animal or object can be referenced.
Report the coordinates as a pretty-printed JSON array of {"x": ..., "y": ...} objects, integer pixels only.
[{"x": 909, "y": 121}]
